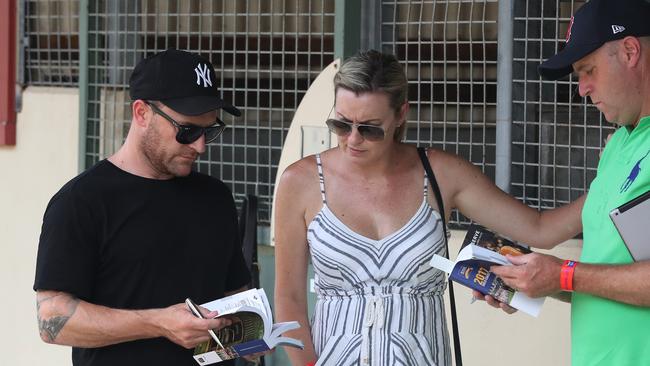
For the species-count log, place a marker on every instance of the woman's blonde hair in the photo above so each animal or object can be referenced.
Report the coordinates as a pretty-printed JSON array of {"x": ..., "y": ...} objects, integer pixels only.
[{"x": 373, "y": 71}]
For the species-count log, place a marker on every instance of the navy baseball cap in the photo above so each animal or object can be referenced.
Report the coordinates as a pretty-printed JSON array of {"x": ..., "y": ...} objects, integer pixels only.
[
  {"x": 183, "y": 81},
  {"x": 594, "y": 24}
]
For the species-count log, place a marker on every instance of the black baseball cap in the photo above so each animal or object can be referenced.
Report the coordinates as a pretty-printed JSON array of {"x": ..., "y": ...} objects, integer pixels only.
[
  {"x": 594, "y": 24},
  {"x": 183, "y": 81}
]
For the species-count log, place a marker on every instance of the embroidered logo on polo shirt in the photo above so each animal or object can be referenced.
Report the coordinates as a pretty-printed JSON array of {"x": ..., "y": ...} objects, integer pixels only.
[{"x": 634, "y": 173}]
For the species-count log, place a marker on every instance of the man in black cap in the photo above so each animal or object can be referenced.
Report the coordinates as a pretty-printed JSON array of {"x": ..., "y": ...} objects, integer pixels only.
[
  {"x": 608, "y": 48},
  {"x": 124, "y": 243}
]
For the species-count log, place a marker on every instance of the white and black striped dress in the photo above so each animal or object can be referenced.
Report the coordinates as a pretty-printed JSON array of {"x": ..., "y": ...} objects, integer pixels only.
[{"x": 379, "y": 301}]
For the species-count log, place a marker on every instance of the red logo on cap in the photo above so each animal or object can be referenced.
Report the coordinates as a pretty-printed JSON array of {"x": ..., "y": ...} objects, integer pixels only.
[{"x": 568, "y": 31}]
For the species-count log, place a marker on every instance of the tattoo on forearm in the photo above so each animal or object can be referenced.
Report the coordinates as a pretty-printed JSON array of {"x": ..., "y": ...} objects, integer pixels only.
[{"x": 51, "y": 327}]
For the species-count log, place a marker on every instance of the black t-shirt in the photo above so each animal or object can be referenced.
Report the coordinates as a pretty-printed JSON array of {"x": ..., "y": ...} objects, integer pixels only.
[{"x": 119, "y": 240}]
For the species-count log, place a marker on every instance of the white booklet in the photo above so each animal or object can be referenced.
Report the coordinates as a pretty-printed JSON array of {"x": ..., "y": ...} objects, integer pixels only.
[
  {"x": 252, "y": 329},
  {"x": 481, "y": 249}
]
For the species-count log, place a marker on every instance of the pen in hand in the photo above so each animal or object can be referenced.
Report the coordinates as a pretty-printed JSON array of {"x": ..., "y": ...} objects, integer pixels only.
[{"x": 195, "y": 310}]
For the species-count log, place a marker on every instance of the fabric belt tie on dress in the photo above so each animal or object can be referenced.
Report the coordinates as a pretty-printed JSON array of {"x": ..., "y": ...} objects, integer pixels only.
[{"x": 373, "y": 317}]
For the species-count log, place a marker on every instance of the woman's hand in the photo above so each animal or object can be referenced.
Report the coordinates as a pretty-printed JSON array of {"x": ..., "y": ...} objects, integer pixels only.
[{"x": 493, "y": 302}]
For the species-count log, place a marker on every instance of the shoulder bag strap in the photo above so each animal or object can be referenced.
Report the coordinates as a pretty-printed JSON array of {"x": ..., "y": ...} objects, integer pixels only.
[
  {"x": 248, "y": 234},
  {"x": 436, "y": 190}
]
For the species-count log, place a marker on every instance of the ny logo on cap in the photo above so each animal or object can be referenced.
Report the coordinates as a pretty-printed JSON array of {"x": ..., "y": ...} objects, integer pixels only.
[
  {"x": 203, "y": 73},
  {"x": 617, "y": 28},
  {"x": 568, "y": 31}
]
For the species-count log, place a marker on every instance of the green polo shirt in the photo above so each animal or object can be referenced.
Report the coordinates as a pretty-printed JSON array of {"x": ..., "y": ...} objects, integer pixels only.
[{"x": 606, "y": 332}]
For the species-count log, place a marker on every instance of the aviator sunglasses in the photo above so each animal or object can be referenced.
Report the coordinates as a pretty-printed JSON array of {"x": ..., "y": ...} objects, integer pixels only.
[
  {"x": 188, "y": 133},
  {"x": 368, "y": 132}
]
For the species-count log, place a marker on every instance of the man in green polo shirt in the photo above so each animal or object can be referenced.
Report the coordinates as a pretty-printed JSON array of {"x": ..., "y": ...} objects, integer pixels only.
[{"x": 609, "y": 49}]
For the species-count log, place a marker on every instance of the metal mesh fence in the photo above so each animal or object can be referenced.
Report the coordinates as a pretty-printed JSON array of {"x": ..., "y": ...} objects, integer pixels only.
[
  {"x": 265, "y": 53},
  {"x": 50, "y": 42},
  {"x": 449, "y": 49},
  {"x": 557, "y": 135}
]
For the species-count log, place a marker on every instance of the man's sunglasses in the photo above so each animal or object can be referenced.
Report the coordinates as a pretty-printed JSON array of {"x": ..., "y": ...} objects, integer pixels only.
[
  {"x": 368, "y": 132},
  {"x": 188, "y": 133}
]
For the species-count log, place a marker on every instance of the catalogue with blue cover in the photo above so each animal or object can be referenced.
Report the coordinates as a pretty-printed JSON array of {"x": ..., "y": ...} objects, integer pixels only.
[
  {"x": 251, "y": 330},
  {"x": 481, "y": 249}
]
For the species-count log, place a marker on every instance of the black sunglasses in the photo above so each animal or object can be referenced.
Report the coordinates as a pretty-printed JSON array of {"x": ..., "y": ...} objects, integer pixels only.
[
  {"x": 188, "y": 133},
  {"x": 368, "y": 132}
]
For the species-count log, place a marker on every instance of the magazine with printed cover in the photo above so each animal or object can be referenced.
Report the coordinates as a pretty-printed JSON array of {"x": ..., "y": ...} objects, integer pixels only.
[
  {"x": 252, "y": 329},
  {"x": 481, "y": 249}
]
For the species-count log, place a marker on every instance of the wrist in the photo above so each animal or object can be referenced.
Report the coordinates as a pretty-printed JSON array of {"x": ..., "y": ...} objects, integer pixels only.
[
  {"x": 151, "y": 323},
  {"x": 567, "y": 275}
]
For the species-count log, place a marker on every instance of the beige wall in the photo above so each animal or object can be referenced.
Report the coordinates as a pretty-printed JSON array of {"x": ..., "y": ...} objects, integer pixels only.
[{"x": 44, "y": 158}]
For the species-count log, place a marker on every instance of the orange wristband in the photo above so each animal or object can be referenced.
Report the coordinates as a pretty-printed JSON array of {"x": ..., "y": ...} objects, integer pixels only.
[
  {"x": 313, "y": 363},
  {"x": 566, "y": 275}
]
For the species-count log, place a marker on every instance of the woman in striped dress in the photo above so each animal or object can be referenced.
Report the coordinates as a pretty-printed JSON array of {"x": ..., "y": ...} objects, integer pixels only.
[{"x": 365, "y": 215}]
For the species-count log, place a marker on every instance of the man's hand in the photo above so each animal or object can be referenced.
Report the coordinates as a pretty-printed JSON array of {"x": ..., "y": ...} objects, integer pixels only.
[
  {"x": 493, "y": 302},
  {"x": 534, "y": 274},
  {"x": 180, "y": 326}
]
